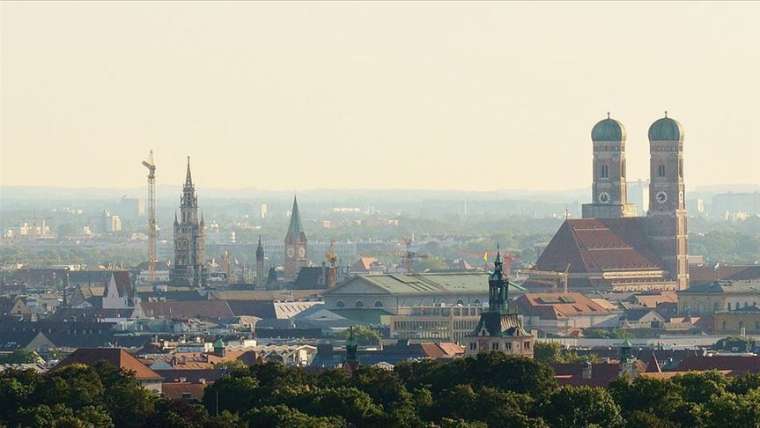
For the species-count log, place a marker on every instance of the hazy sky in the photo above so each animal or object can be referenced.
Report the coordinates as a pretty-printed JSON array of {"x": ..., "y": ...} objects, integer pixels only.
[{"x": 371, "y": 95}]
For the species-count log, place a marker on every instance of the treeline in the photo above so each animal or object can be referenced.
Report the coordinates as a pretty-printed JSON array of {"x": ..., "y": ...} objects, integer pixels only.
[{"x": 491, "y": 390}]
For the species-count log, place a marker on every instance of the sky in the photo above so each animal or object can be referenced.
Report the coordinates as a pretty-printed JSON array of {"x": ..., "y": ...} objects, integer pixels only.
[{"x": 298, "y": 96}]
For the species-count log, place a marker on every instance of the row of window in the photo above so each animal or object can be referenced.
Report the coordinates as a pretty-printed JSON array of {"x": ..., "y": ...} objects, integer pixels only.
[
  {"x": 358, "y": 304},
  {"x": 496, "y": 346},
  {"x": 700, "y": 308},
  {"x": 604, "y": 171}
]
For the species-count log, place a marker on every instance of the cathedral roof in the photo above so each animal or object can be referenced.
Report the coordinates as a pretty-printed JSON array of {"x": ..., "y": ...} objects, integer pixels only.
[
  {"x": 600, "y": 245},
  {"x": 608, "y": 130},
  {"x": 666, "y": 129}
]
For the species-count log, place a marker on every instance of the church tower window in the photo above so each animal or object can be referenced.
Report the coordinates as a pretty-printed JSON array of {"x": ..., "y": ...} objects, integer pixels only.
[
  {"x": 661, "y": 170},
  {"x": 604, "y": 172}
]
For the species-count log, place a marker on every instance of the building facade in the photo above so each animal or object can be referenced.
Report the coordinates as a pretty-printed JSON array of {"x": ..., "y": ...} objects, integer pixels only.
[
  {"x": 189, "y": 239},
  {"x": 438, "y": 323}
]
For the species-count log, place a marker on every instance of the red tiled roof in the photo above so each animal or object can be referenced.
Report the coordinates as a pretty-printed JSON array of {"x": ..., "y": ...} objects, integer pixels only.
[
  {"x": 183, "y": 390},
  {"x": 652, "y": 300},
  {"x": 116, "y": 356},
  {"x": 711, "y": 273},
  {"x": 735, "y": 363},
  {"x": 558, "y": 305},
  {"x": 599, "y": 245}
]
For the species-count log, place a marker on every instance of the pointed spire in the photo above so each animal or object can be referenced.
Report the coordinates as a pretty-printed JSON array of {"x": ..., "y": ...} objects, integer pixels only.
[
  {"x": 188, "y": 177},
  {"x": 259, "y": 250},
  {"x": 295, "y": 229}
]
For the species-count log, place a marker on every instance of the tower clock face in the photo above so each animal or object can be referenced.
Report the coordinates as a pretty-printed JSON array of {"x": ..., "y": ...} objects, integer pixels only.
[
  {"x": 301, "y": 252},
  {"x": 661, "y": 197},
  {"x": 604, "y": 197},
  {"x": 182, "y": 244},
  {"x": 291, "y": 252}
]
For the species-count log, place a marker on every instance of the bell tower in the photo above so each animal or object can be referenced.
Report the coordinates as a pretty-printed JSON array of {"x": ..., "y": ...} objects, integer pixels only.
[
  {"x": 295, "y": 244},
  {"x": 666, "y": 219},
  {"x": 609, "y": 191}
]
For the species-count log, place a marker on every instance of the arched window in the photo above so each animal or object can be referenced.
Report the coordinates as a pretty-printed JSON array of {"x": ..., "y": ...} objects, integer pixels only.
[
  {"x": 604, "y": 172},
  {"x": 680, "y": 168},
  {"x": 359, "y": 304},
  {"x": 476, "y": 302},
  {"x": 378, "y": 304},
  {"x": 729, "y": 306},
  {"x": 460, "y": 302},
  {"x": 623, "y": 170},
  {"x": 661, "y": 171},
  {"x": 340, "y": 304}
]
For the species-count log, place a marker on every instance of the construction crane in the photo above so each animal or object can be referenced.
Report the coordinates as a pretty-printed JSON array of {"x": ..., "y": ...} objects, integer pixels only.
[
  {"x": 558, "y": 276},
  {"x": 152, "y": 229},
  {"x": 408, "y": 257}
]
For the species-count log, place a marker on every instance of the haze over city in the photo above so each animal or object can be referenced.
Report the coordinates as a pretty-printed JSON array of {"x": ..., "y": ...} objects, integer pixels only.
[{"x": 294, "y": 96}]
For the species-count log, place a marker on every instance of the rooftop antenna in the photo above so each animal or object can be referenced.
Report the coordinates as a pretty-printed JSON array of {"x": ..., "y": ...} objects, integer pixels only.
[
  {"x": 666, "y": 113},
  {"x": 608, "y": 115}
]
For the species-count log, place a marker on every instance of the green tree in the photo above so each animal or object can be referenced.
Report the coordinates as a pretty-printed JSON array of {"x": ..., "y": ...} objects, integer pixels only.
[
  {"x": 281, "y": 416},
  {"x": 579, "y": 407},
  {"x": 700, "y": 387},
  {"x": 660, "y": 398}
]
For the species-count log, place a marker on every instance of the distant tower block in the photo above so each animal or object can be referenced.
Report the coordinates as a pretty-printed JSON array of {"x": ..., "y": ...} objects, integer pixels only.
[
  {"x": 666, "y": 219},
  {"x": 609, "y": 192}
]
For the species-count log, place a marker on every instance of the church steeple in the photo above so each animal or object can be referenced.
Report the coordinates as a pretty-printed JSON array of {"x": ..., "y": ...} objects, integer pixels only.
[
  {"x": 295, "y": 244},
  {"x": 188, "y": 176},
  {"x": 498, "y": 287},
  {"x": 295, "y": 229}
]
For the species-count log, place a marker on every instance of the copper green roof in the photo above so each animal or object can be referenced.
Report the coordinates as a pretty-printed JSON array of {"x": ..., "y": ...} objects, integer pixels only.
[
  {"x": 666, "y": 129},
  {"x": 608, "y": 130},
  {"x": 429, "y": 283}
]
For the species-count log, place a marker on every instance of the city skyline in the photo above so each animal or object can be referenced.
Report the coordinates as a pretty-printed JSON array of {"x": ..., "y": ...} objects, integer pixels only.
[{"x": 476, "y": 102}]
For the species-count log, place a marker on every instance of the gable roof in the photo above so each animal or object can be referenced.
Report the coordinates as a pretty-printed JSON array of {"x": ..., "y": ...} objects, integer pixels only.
[
  {"x": 116, "y": 356},
  {"x": 599, "y": 245}
]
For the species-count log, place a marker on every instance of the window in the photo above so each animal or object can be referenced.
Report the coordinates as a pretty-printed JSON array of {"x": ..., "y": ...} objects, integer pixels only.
[
  {"x": 359, "y": 304},
  {"x": 623, "y": 170},
  {"x": 661, "y": 171},
  {"x": 473, "y": 346},
  {"x": 680, "y": 168},
  {"x": 527, "y": 345},
  {"x": 340, "y": 304},
  {"x": 495, "y": 346},
  {"x": 605, "y": 172},
  {"x": 729, "y": 306},
  {"x": 378, "y": 304},
  {"x": 460, "y": 302},
  {"x": 508, "y": 346}
]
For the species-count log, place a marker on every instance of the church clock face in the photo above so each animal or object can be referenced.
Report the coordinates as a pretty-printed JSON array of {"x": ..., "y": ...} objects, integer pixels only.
[
  {"x": 301, "y": 252},
  {"x": 291, "y": 252},
  {"x": 604, "y": 197},
  {"x": 661, "y": 197}
]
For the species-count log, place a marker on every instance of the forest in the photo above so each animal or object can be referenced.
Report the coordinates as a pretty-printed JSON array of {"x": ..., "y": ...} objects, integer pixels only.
[{"x": 490, "y": 390}]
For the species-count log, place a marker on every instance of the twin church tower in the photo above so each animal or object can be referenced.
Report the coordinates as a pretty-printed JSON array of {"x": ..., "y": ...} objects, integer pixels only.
[
  {"x": 612, "y": 247},
  {"x": 666, "y": 219}
]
